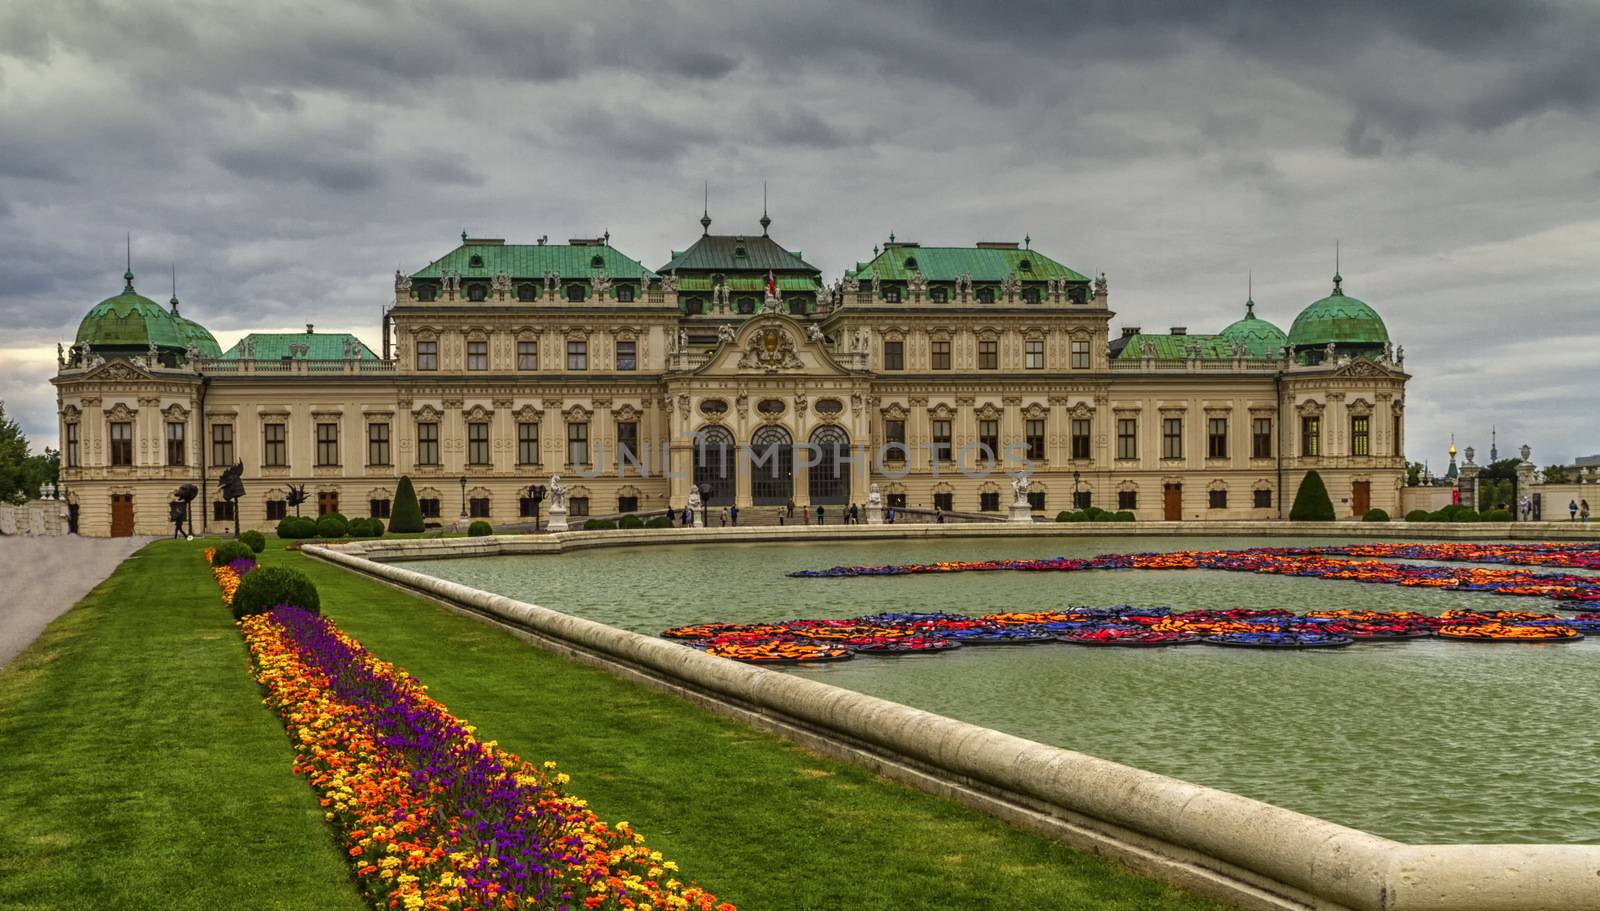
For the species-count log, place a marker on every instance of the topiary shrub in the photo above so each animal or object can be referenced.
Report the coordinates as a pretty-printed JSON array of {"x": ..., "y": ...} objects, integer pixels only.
[
  {"x": 599, "y": 525},
  {"x": 1497, "y": 515},
  {"x": 1124, "y": 516},
  {"x": 1311, "y": 503},
  {"x": 480, "y": 529},
  {"x": 1096, "y": 514},
  {"x": 658, "y": 522},
  {"x": 1466, "y": 514},
  {"x": 229, "y": 551},
  {"x": 374, "y": 528},
  {"x": 630, "y": 521},
  {"x": 266, "y": 587},
  {"x": 255, "y": 539},
  {"x": 1077, "y": 517},
  {"x": 406, "y": 514},
  {"x": 332, "y": 525},
  {"x": 1375, "y": 515},
  {"x": 1417, "y": 515},
  {"x": 1062, "y": 516}
]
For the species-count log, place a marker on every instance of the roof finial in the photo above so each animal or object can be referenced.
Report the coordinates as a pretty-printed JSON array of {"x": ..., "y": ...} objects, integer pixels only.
[
  {"x": 705, "y": 210},
  {"x": 607, "y": 237},
  {"x": 128, "y": 275},
  {"x": 174, "y": 300},
  {"x": 1338, "y": 279},
  {"x": 1250, "y": 295},
  {"x": 765, "y": 221},
  {"x": 463, "y": 235},
  {"x": 891, "y": 237},
  {"x": 1027, "y": 241}
]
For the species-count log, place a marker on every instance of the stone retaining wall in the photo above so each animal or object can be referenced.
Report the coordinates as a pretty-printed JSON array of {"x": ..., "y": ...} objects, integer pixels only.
[{"x": 1251, "y": 854}]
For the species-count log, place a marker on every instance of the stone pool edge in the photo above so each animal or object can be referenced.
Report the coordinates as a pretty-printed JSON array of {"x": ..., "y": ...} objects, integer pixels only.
[{"x": 1243, "y": 851}]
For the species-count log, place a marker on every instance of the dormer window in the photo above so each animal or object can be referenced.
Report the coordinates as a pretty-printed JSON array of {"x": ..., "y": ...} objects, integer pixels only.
[
  {"x": 1025, "y": 266},
  {"x": 939, "y": 295},
  {"x": 597, "y": 262},
  {"x": 740, "y": 251},
  {"x": 911, "y": 264},
  {"x": 526, "y": 292},
  {"x": 575, "y": 294},
  {"x": 477, "y": 292},
  {"x": 985, "y": 295},
  {"x": 475, "y": 261},
  {"x": 891, "y": 295},
  {"x": 624, "y": 293},
  {"x": 747, "y": 305},
  {"x": 426, "y": 292},
  {"x": 1030, "y": 295}
]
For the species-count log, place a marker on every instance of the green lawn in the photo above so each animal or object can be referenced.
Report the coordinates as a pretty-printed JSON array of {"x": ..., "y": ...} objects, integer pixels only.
[{"x": 139, "y": 769}]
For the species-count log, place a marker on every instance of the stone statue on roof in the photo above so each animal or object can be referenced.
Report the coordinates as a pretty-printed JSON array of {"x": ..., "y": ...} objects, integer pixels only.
[
  {"x": 917, "y": 284},
  {"x": 601, "y": 283},
  {"x": 501, "y": 283},
  {"x": 725, "y": 334},
  {"x": 669, "y": 283},
  {"x": 1100, "y": 286},
  {"x": 1147, "y": 348},
  {"x": 1328, "y": 352},
  {"x": 851, "y": 284},
  {"x": 552, "y": 282},
  {"x": 402, "y": 283},
  {"x": 814, "y": 333}
]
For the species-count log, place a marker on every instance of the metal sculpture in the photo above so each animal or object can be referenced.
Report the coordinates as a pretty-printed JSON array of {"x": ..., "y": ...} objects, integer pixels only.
[{"x": 231, "y": 484}]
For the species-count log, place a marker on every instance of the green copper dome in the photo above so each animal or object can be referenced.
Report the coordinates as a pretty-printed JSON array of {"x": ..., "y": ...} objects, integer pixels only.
[
  {"x": 1340, "y": 319},
  {"x": 1264, "y": 339},
  {"x": 195, "y": 335},
  {"x": 130, "y": 321}
]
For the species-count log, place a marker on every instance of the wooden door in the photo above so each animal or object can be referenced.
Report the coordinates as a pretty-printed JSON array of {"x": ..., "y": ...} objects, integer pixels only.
[
  {"x": 121, "y": 515},
  {"x": 1173, "y": 502},
  {"x": 1360, "y": 497},
  {"x": 327, "y": 501}
]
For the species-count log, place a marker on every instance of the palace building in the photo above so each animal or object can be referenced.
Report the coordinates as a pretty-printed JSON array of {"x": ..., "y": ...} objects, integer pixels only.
[{"x": 931, "y": 372}]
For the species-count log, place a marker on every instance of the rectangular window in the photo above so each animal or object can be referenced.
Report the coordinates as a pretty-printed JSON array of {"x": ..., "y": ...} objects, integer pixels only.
[
  {"x": 1217, "y": 438},
  {"x": 222, "y": 511},
  {"x": 327, "y": 444},
  {"x": 527, "y": 355},
  {"x": 1033, "y": 353},
  {"x": 988, "y": 354},
  {"x": 478, "y": 443},
  {"x": 478, "y": 507},
  {"x": 277, "y": 509},
  {"x": 175, "y": 447},
  {"x": 941, "y": 354},
  {"x": 528, "y": 443},
  {"x": 627, "y": 504},
  {"x": 578, "y": 506},
  {"x": 1261, "y": 438},
  {"x": 1128, "y": 499},
  {"x": 944, "y": 501},
  {"x": 578, "y": 443},
  {"x": 1311, "y": 436},
  {"x": 894, "y": 355},
  {"x": 1080, "y": 354},
  {"x": 1172, "y": 438},
  {"x": 627, "y": 440},
  {"x": 427, "y": 443},
  {"x": 894, "y": 440},
  {"x": 429, "y": 507},
  {"x": 275, "y": 445},
  {"x": 941, "y": 440},
  {"x": 477, "y": 355},
  {"x": 221, "y": 445},
  {"x": 379, "y": 508},
  {"x": 577, "y": 355},
  {"x": 1263, "y": 499},
  {"x": 1034, "y": 430},
  {"x": 1360, "y": 440},
  {"x": 1219, "y": 499},
  {"x": 1127, "y": 438},
  {"x": 895, "y": 500},
  {"x": 989, "y": 501},
  {"x": 377, "y": 444},
  {"x": 627, "y": 355},
  {"x": 121, "y": 443},
  {"x": 989, "y": 440},
  {"x": 1036, "y": 500},
  {"x": 427, "y": 355},
  {"x": 1080, "y": 438},
  {"x": 72, "y": 446},
  {"x": 525, "y": 507}
]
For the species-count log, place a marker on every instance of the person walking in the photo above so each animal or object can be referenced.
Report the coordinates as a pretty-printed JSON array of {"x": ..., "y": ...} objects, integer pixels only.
[
  {"x": 888, "y": 515},
  {"x": 733, "y": 513},
  {"x": 175, "y": 512},
  {"x": 723, "y": 516},
  {"x": 1572, "y": 511},
  {"x": 790, "y": 508},
  {"x": 938, "y": 515},
  {"x": 820, "y": 520},
  {"x": 855, "y": 514}
]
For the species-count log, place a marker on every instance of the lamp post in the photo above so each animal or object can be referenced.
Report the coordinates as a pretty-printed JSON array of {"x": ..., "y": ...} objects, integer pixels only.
[
  {"x": 536, "y": 494},
  {"x": 1075, "y": 488},
  {"x": 705, "y": 506},
  {"x": 463, "y": 499}
]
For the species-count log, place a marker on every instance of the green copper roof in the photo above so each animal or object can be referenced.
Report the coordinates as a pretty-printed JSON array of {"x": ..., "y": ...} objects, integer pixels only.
[
  {"x": 1264, "y": 339},
  {"x": 722, "y": 253},
  {"x": 534, "y": 261},
  {"x": 194, "y": 334},
  {"x": 943, "y": 264},
  {"x": 322, "y": 346},
  {"x": 751, "y": 283},
  {"x": 1340, "y": 319},
  {"x": 1176, "y": 346},
  {"x": 129, "y": 320}
]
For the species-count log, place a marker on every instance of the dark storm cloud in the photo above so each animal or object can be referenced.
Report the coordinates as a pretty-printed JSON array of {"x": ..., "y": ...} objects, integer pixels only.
[{"x": 289, "y": 156}]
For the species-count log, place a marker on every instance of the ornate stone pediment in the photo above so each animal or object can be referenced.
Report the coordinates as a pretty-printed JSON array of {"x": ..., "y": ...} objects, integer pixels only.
[
  {"x": 427, "y": 413},
  {"x": 895, "y": 412},
  {"x": 121, "y": 412},
  {"x": 1309, "y": 407},
  {"x": 118, "y": 370},
  {"x": 479, "y": 413},
  {"x": 528, "y": 414},
  {"x": 176, "y": 412},
  {"x": 626, "y": 413},
  {"x": 71, "y": 413},
  {"x": 988, "y": 412},
  {"x": 577, "y": 413},
  {"x": 1036, "y": 411},
  {"x": 770, "y": 349},
  {"x": 1082, "y": 410},
  {"x": 1362, "y": 367}
]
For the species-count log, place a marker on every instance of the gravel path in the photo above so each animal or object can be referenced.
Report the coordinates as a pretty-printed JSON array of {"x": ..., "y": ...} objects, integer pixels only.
[{"x": 43, "y": 577}]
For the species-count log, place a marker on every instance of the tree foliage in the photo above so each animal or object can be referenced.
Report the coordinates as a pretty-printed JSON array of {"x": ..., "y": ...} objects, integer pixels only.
[
  {"x": 22, "y": 474},
  {"x": 1311, "y": 502},
  {"x": 1556, "y": 474}
]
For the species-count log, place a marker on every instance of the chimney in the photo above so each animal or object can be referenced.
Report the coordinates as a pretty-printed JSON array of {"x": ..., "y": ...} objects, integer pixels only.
[
  {"x": 1129, "y": 331},
  {"x": 1180, "y": 330},
  {"x": 309, "y": 328}
]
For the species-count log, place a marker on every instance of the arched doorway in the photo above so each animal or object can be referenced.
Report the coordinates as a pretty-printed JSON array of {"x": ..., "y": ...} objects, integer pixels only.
[
  {"x": 771, "y": 467},
  {"x": 829, "y": 479},
  {"x": 715, "y": 466}
]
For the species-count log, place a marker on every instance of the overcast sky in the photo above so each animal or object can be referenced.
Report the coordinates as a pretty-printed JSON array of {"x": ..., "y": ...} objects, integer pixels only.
[{"x": 288, "y": 157}]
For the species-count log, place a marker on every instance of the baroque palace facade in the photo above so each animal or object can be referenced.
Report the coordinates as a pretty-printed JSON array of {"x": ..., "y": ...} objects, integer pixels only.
[{"x": 932, "y": 372}]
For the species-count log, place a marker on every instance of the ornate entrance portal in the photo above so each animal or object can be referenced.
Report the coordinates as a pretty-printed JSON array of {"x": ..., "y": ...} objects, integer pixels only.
[
  {"x": 829, "y": 478},
  {"x": 715, "y": 465},
  {"x": 771, "y": 467}
]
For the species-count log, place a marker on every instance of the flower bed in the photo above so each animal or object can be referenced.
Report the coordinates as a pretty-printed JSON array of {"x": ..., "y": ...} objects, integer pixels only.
[{"x": 429, "y": 815}]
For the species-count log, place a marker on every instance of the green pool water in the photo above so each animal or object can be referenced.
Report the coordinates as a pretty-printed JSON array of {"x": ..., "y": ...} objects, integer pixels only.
[{"x": 1423, "y": 741}]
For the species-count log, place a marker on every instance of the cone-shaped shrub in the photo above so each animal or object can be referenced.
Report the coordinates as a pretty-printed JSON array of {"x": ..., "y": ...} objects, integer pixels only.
[
  {"x": 406, "y": 515},
  {"x": 1311, "y": 503}
]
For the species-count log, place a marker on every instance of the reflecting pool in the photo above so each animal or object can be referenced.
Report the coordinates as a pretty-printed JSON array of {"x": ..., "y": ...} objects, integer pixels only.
[{"x": 1425, "y": 741}]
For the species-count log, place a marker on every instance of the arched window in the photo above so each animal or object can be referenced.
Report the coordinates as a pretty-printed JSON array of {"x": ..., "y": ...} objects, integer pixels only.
[
  {"x": 475, "y": 261},
  {"x": 771, "y": 466},
  {"x": 797, "y": 306},
  {"x": 694, "y": 306},
  {"x": 477, "y": 292},
  {"x": 624, "y": 293},
  {"x": 829, "y": 476},
  {"x": 911, "y": 264},
  {"x": 715, "y": 465},
  {"x": 1025, "y": 266},
  {"x": 597, "y": 262},
  {"x": 575, "y": 293},
  {"x": 527, "y": 292},
  {"x": 747, "y": 305}
]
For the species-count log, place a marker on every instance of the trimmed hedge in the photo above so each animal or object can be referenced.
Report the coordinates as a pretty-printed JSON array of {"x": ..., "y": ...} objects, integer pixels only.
[
  {"x": 1417, "y": 515},
  {"x": 406, "y": 514},
  {"x": 480, "y": 529},
  {"x": 229, "y": 551},
  {"x": 1497, "y": 515},
  {"x": 266, "y": 587},
  {"x": 658, "y": 522},
  {"x": 1124, "y": 516},
  {"x": 1375, "y": 515},
  {"x": 630, "y": 521},
  {"x": 366, "y": 528},
  {"x": 332, "y": 525},
  {"x": 255, "y": 539},
  {"x": 599, "y": 525},
  {"x": 1311, "y": 502}
]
